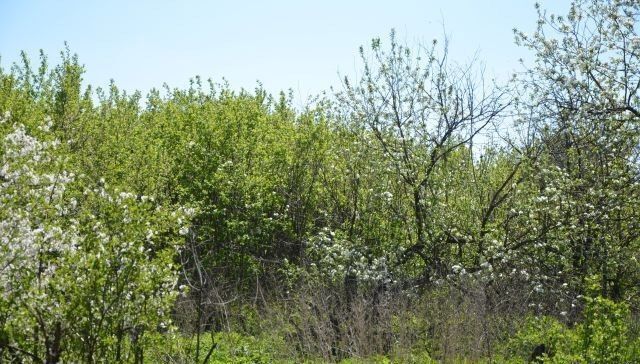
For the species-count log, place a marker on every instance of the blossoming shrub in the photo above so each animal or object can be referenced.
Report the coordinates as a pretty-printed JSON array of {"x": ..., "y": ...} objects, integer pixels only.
[
  {"x": 86, "y": 271},
  {"x": 335, "y": 258}
]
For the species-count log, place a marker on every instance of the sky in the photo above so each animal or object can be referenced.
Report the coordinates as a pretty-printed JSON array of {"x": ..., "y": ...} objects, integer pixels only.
[{"x": 300, "y": 45}]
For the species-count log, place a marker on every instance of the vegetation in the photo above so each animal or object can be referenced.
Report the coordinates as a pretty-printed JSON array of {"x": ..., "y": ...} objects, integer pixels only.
[{"x": 420, "y": 214}]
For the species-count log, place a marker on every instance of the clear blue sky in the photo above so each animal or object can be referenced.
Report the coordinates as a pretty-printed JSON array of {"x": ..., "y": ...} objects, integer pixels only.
[{"x": 300, "y": 45}]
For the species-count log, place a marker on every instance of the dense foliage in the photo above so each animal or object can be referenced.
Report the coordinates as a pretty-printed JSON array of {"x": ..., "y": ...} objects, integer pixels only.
[{"x": 421, "y": 213}]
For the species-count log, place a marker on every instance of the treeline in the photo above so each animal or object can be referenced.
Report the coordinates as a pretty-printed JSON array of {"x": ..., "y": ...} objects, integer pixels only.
[{"x": 420, "y": 213}]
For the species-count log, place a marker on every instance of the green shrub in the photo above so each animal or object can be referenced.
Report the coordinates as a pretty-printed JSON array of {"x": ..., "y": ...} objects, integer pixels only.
[
  {"x": 604, "y": 332},
  {"x": 602, "y": 337},
  {"x": 559, "y": 340}
]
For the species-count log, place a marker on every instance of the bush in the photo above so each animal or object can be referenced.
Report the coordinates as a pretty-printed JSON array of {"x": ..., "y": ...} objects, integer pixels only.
[
  {"x": 558, "y": 340},
  {"x": 604, "y": 332},
  {"x": 602, "y": 337}
]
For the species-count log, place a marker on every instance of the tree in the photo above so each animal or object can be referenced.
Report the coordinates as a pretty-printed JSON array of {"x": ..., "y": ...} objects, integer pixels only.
[
  {"x": 87, "y": 271},
  {"x": 420, "y": 109},
  {"x": 583, "y": 90}
]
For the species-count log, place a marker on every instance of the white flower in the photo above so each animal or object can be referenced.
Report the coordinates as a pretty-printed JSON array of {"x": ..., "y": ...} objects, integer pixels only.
[
  {"x": 6, "y": 117},
  {"x": 126, "y": 195}
]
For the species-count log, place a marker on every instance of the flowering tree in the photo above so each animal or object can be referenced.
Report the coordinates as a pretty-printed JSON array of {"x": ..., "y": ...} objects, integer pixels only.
[
  {"x": 583, "y": 94},
  {"x": 86, "y": 270},
  {"x": 420, "y": 109}
]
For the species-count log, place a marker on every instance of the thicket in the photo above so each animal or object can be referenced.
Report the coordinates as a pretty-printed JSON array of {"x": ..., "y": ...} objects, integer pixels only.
[{"x": 421, "y": 213}]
